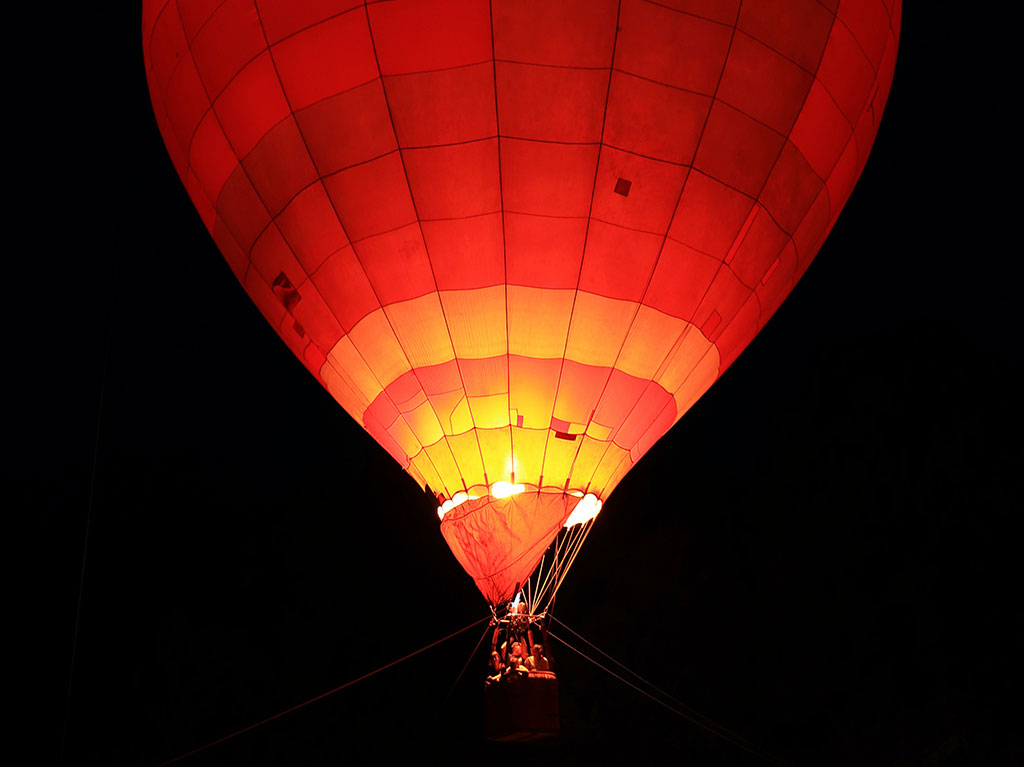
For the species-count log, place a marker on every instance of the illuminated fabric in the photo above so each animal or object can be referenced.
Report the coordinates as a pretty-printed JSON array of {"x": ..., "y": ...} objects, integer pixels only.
[
  {"x": 498, "y": 541},
  {"x": 517, "y": 240}
]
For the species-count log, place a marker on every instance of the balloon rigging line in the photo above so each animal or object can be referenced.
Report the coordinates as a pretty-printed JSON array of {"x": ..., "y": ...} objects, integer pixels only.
[
  {"x": 529, "y": 584},
  {"x": 551, "y": 580},
  {"x": 721, "y": 733},
  {"x": 565, "y": 561},
  {"x": 542, "y": 586},
  {"x": 542, "y": 580},
  {"x": 88, "y": 526},
  {"x": 573, "y": 553},
  {"x": 654, "y": 687},
  {"x": 551, "y": 576},
  {"x": 569, "y": 551},
  {"x": 323, "y": 695},
  {"x": 469, "y": 660},
  {"x": 568, "y": 547}
]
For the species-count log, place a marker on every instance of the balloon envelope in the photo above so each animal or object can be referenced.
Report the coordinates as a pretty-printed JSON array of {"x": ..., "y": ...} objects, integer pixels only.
[{"x": 517, "y": 240}]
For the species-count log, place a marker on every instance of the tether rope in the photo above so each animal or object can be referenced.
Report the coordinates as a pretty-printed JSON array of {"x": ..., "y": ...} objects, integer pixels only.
[
  {"x": 85, "y": 537},
  {"x": 654, "y": 687},
  {"x": 468, "y": 661},
  {"x": 322, "y": 695},
  {"x": 716, "y": 730}
]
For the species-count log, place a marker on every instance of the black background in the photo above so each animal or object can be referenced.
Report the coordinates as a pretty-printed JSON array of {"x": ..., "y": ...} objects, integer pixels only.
[{"x": 820, "y": 556}]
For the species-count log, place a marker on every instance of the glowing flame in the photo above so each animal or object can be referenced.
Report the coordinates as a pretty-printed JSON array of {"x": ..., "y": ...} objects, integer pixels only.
[
  {"x": 502, "y": 489},
  {"x": 451, "y": 503},
  {"x": 585, "y": 510}
]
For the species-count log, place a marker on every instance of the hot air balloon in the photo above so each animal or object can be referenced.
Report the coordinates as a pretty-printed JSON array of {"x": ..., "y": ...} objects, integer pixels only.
[{"x": 516, "y": 240}]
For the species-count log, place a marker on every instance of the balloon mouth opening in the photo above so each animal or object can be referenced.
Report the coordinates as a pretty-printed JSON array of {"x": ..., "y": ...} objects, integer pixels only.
[{"x": 588, "y": 506}]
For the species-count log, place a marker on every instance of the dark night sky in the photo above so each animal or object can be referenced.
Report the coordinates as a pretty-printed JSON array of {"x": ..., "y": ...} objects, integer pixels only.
[{"x": 817, "y": 556}]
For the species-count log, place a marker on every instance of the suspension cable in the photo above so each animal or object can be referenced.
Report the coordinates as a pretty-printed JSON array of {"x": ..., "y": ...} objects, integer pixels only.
[
  {"x": 322, "y": 695},
  {"x": 654, "y": 687},
  {"x": 577, "y": 545},
  {"x": 564, "y": 550},
  {"x": 469, "y": 660},
  {"x": 88, "y": 527},
  {"x": 716, "y": 730}
]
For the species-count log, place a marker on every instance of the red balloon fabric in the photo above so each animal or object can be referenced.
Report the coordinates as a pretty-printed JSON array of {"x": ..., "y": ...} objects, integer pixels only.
[
  {"x": 518, "y": 239},
  {"x": 498, "y": 541}
]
